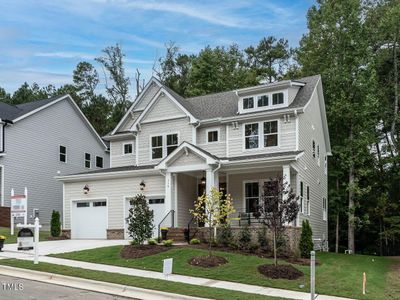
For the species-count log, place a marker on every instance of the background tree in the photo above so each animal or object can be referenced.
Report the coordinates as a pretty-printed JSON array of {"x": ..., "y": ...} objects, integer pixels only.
[
  {"x": 86, "y": 79},
  {"x": 279, "y": 206},
  {"x": 213, "y": 209},
  {"x": 140, "y": 220}
]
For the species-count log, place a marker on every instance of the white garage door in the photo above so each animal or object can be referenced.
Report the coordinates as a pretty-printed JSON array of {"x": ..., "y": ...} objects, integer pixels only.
[
  {"x": 157, "y": 205},
  {"x": 89, "y": 219}
]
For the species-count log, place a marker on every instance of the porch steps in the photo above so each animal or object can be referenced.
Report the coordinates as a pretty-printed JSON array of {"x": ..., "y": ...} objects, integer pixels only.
[{"x": 176, "y": 234}]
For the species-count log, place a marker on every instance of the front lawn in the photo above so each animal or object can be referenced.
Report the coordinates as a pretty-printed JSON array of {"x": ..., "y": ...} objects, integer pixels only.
[
  {"x": 12, "y": 239},
  {"x": 146, "y": 283},
  {"x": 339, "y": 274}
]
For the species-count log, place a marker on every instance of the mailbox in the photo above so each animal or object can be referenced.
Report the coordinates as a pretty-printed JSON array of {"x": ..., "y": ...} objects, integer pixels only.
[{"x": 25, "y": 239}]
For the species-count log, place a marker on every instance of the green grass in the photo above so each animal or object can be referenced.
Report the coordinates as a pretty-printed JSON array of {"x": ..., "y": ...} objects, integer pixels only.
[
  {"x": 12, "y": 239},
  {"x": 147, "y": 283},
  {"x": 339, "y": 274}
]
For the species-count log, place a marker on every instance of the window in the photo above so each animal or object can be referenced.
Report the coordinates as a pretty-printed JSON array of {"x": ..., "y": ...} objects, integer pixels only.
[
  {"x": 128, "y": 148},
  {"x": 99, "y": 203},
  {"x": 248, "y": 103},
  {"x": 313, "y": 148},
  {"x": 324, "y": 209},
  {"x": 172, "y": 142},
  {"x": 277, "y": 98},
  {"x": 1, "y": 137},
  {"x": 262, "y": 101},
  {"x": 252, "y": 194},
  {"x": 326, "y": 165},
  {"x": 87, "y": 160},
  {"x": 301, "y": 197},
  {"x": 318, "y": 155},
  {"x": 82, "y": 204},
  {"x": 212, "y": 136},
  {"x": 63, "y": 154},
  {"x": 307, "y": 208},
  {"x": 99, "y": 162},
  {"x": 271, "y": 134},
  {"x": 156, "y": 201},
  {"x": 251, "y": 136},
  {"x": 156, "y": 147}
]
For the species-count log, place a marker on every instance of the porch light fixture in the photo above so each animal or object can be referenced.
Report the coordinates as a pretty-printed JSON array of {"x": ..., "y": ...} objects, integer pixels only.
[
  {"x": 142, "y": 185},
  {"x": 203, "y": 180},
  {"x": 86, "y": 189}
]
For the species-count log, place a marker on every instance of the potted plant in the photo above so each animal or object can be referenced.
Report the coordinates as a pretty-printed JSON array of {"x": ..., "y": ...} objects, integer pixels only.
[
  {"x": 164, "y": 231},
  {"x": 2, "y": 239}
]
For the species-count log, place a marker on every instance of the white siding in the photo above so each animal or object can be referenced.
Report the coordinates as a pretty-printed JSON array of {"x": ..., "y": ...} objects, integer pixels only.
[
  {"x": 118, "y": 158},
  {"x": 187, "y": 194},
  {"x": 146, "y": 98},
  {"x": 126, "y": 126},
  {"x": 217, "y": 148},
  {"x": 186, "y": 160},
  {"x": 163, "y": 108},
  {"x": 115, "y": 190}
]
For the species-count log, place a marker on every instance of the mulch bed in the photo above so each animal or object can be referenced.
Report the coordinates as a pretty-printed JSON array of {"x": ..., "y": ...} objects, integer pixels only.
[
  {"x": 302, "y": 261},
  {"x": 280, "y": 272},
  {"x": 139, "y": 251},
  {"x": 207, "y": 261}
]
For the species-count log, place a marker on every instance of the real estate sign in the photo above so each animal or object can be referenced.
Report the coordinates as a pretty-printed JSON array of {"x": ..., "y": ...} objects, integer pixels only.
[{"x": 18, "y": 206}]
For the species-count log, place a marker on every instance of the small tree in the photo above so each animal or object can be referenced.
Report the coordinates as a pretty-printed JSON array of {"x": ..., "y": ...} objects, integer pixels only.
[
  {"x": 306, "y": 244},
  {"x": 140, "y": 220},
  {"x": 55, "y": 224},
  {"x": 213, "y": 209},
  {"x": 279, "y": 206}
]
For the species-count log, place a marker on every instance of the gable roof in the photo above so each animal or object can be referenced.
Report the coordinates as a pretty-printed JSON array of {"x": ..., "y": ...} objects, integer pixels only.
[{"x": 15, "y": 113}]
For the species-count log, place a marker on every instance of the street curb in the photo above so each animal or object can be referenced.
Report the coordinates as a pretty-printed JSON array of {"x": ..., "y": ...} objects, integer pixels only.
[{"x": 92, "y": 285}]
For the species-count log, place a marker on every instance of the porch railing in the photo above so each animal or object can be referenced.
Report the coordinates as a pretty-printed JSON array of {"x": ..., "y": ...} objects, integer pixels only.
[
  {"x": 170, "y": 213},
  {"x": 193, "y": 221}
]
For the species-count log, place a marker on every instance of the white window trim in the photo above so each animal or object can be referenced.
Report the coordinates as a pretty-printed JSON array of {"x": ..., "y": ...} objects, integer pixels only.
[
  {"x": 123, "y": 149},
  {"x": 2, "y": 133},
  {"x": 301, "y": 197},
  {"x": 260, "y": 136},
  {"x": 164, "y": 144},
  {"x": 85, "y": 160},
  {"x": 308, "y": 200},
  {"x": 2, "y": 174},
  {"x": 326, "y": 164},
  {"x": 66, "y": 154},
  {"x": 269, "y": 106},
  {"x": 95, "y": 162},
  {"x": 324, "y": 209},
  {"x": 260, "y": 182},
  {"x": 219, "y": 135}
]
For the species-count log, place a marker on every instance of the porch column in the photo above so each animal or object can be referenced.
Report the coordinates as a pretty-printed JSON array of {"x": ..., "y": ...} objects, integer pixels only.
[
  {"x": 286, "y": 178},
  {"x": 210, "y": 180},
  {"x": 168, "y": 194}
]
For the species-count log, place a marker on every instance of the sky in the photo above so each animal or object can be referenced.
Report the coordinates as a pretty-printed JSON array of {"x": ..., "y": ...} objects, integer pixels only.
[{"x": 42, "y": 41}]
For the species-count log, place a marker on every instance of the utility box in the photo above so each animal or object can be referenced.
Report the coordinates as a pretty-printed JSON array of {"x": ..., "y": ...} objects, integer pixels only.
[{"x": 25, "y": 239}]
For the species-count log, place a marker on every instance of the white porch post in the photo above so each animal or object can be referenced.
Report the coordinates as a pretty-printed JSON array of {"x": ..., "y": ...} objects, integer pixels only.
[
  {"x": 210, "y": 180},
  {"x": 286, "y": 178},
  {"x": 168, "y": 193}
]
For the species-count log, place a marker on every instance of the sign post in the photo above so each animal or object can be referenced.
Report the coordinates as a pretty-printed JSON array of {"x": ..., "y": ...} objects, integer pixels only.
[
  {"x": 167, "y": 267},
  {"x": 19, "y": 207},
  {"x": 36, "y": 227},
  {"x": 312, "y": 274}
]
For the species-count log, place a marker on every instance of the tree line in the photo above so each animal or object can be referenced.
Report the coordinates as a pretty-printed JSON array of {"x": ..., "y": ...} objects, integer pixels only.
[{"x": 353, "y": 45}]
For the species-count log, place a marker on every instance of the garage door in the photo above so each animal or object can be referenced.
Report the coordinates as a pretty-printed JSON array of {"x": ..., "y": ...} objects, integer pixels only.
[
  {"x": 156, "y": 204},
  {"x": 89, "y": 219}
]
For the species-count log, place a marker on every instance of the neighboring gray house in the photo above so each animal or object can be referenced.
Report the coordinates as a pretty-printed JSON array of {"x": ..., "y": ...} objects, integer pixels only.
[
  {"x": 43, "y": 139},
  {"x": 173, "y": 149}
]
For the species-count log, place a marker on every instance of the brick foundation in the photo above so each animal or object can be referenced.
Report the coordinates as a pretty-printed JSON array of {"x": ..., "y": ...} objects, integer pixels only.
[
  {"x": 115, "y": 234},
  {"x": 5, "y": 220}
]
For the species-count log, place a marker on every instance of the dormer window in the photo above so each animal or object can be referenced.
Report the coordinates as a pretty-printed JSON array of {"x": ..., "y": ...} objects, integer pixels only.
[
  {"x": 248, "y": 103},
  {"x": 262, "y": 101},
  {"x": 277, "y": 98}
]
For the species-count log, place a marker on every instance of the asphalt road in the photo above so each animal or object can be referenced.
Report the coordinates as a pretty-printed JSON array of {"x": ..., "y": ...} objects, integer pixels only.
[{"x": 12, "y": 288}]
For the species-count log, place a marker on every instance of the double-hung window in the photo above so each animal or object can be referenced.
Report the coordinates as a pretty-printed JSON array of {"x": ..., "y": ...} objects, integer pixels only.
[
  {"x": 88, "y": 160},
  {"x": 277, "y": 98},
  {"x": 251, "y": 136},
  {"x": 252, "y": 196},
  {"x": 163, "y": 145},
  {"x": 271, "y": 134},
  {"x": 63, "y": 154},
  {"x": 212, "y": 136},
  {"x": 262, "y": 101},
  {"x": 307, "y": 208},
  {"x": 301, "y": 197},
  {"x": 128, "y": 148},
  {"x": 248, "y": 103},
  {"x": 324, "y": 209}
]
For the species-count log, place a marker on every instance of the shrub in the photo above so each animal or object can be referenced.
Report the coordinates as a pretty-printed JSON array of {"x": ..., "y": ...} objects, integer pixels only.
[
  {"x": 152, "y": 242},
  {"x": 244, "y": 237},
  {"x": 224, "y": 236},
  {"x": 253, "y": 247},
  {"x": 233, "y": 245},
  {"x": 194, "y": 242},
  {"x": 55, "y": 224},
  {"x": 168, "y": 243},
  {"x": 262, "y": 237},
  {"x": 306, "y": 244},
  {"x": 140, "y": 219}
]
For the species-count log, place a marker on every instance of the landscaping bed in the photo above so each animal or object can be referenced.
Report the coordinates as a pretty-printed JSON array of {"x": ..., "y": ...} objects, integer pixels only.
[
  {"x": 139, "y": 251},
  {"x": 280, "y": 272},
  {"x": 206, "y": 261}
]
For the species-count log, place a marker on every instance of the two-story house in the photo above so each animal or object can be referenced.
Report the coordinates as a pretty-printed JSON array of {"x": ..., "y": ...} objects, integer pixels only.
[
  {"x": 173, "y": 149},
  {"x": 40, "y": 140}
]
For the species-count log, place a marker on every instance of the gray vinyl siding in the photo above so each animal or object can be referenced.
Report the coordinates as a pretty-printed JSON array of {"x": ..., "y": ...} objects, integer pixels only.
[
  {"x": 286, "y": 138},
  {"x": 163, "y": 108},
  {"x": 115, "y": 191},
  {"x": 310, "y": 127},
  {"x": 216, "y": 148},
  {"x": 185, "y": 160},
  {"x": 32, "y": 158},
  {"x": 126, "y": 126},
  {"x": 180, "y": 126},
  {"x": 118, "y": 158},
  {"x": 186, "y": 195},
  {"x": 147, "y": 97}
]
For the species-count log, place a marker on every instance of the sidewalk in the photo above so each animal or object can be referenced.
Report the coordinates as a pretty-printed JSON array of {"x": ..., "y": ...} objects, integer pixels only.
[{"x": 234, "y": 286}]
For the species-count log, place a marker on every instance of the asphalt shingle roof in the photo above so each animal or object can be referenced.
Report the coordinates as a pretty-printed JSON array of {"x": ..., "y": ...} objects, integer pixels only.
[{"x": 11, "y": 112}]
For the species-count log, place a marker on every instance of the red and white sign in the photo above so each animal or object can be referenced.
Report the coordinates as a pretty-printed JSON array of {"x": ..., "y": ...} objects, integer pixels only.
[{"x": 18, "y": 205}]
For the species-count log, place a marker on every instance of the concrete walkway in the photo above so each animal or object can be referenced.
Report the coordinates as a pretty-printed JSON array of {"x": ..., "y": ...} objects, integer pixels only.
[{"x": 267, "y": 291}]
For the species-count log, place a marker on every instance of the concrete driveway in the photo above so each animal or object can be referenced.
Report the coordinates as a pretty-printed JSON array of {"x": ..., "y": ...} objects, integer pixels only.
[{"x": 55, "y": 247}]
